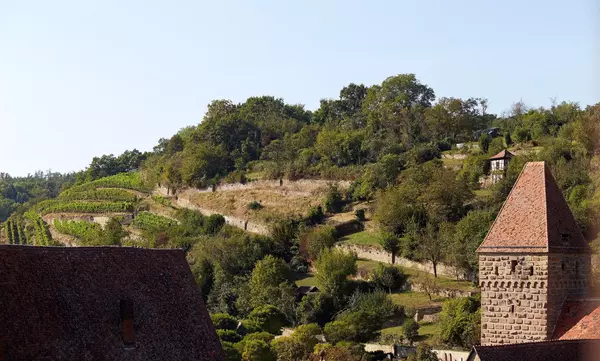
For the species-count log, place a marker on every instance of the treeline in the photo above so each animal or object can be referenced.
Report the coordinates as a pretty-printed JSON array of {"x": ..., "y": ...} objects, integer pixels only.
[
  {"x": 16, "y": 193},
  {"x": 19, "y": 193},
  {"x": 398, "y": 117}
]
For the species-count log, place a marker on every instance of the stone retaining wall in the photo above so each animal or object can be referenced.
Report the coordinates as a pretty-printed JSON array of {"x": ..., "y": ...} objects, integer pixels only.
[
  {"x": 246, "y": 225},
  {"x": 379, "y": 255}
]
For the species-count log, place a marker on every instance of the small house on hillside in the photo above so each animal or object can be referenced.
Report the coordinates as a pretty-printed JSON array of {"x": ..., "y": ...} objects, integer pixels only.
[
  {"x": 499, "y": 164},
  {"x": 303, "y": 291},
  {"x": 102, "y": 303}
]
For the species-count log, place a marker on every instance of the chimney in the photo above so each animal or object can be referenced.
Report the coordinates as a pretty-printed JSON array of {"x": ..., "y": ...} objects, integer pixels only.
[{"x": 126, "y": 311}]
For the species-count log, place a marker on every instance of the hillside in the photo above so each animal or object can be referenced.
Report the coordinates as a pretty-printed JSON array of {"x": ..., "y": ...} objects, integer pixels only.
[{"x": 290, "y": 217}]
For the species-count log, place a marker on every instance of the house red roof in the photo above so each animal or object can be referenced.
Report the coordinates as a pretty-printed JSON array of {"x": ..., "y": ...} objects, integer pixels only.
[
  {"x": 504, "y": 154},
  {"x": 535, "y": 218},
  {"x": 562, "y": 350},
  {"x": 101, "y": 303},
  {"x": 579, "y": 319}
]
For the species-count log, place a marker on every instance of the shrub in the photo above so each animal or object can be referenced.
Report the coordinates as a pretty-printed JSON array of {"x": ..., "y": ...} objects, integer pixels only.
[
  {"x": 223, "y": 321},
  {"x": 410, "y": 330},
  {"x": 231, "y": 353},
  {"x": 389, "y": 278},
  {"x": 268, "y": 318},
  {"x": 444, "y": 145},
  {"x": 262, "y": 336},
  {"x": 360, "y": 215},
  {"x": 315, "y": 215},
  {"x": 255, "y": 205},
  {"x": 318, "y": 239},
  {"x": 257, "y": 350},
  {"x": 213, "y": 223},
  {"x": 460, "y": 321},
  {"x": 228, "y": 336},
  {"x": 333, "y": 200},
  {"x": 484, "y": 143}
]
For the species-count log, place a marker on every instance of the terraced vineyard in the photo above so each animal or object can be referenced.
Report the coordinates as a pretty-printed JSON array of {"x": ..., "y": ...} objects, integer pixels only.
[
  {"x": 88, "y": 233},
  {"x": 82, "y": 206},
  {"x": 152, "y": 222}
]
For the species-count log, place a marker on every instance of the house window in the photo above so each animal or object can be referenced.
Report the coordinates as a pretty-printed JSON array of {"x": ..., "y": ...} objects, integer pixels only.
[
  {"x": 126, "y": 311},
  {"x": 513, "y": 266}
]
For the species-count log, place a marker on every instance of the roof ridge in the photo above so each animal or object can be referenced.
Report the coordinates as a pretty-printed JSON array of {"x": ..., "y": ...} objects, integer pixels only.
[
  {"x": 547, "y": 228},
  {"x": 33, "y": 248},
  {"x": 501, "y": 208}
]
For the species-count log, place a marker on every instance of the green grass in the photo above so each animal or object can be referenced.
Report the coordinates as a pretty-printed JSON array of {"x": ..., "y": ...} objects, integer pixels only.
[
  {"x": 427, "y": 332},
  {"x": 411, "y": 299},
  {"x": 304, "y": 279},
  {"x": 452, "y": 163},
  {"x": 481, "y": 193},
  {"x": 366, "y": 265},
  {"x": 363, "y": 238}
]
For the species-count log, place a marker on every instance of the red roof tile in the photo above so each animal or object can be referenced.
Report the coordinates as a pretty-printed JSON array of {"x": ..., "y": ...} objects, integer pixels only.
[
  {"x": 68, "y": 303},
  {"x": 563, "y": 350},
  {"x": 534, "y": 218},
  {"x": 579, "y": 319},
  {"x": 504, "y": 154}
]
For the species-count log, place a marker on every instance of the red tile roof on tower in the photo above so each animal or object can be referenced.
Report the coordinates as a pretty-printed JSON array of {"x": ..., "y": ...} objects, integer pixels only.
[
  {"x": 579, "y": 319},
  {"x": 562, "y": 350},
  {"x": 101, "y": 303},
  {"x": 535, "y": 218},
  {"x": 504, "y": 154}
]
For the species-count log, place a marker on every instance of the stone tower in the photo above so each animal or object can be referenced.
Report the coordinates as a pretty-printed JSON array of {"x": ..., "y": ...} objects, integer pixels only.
[{"x": 533, "y": 257}]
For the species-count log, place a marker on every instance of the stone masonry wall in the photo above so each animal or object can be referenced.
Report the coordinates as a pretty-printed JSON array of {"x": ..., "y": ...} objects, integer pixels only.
[
  {"x": 514, "y": 298},
  {"x": 379, "y": 255},
  {"x": 568, "y": 274}
]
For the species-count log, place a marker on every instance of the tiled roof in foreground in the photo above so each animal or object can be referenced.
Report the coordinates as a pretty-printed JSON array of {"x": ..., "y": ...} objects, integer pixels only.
[
  {"x": 61, "y": 303},
  {"x": 579, "y": 319},
  {"x": 535, "y": 218},
  {"x": 561, "y": 350}
]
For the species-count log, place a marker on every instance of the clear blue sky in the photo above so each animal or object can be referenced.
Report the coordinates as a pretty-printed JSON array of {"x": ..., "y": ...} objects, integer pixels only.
[{"x": 83, "y": 78}]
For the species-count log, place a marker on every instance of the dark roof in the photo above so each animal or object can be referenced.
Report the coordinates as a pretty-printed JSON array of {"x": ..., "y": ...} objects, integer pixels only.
[
  {"x": 579, "y": 319},
  {"x": 535, "y": 218},
  {"x": 306, "y": 289},
  {"x": 504, "y": 154},
  {"x": 60, "y": 303},
  {"x": 562, "y": 350}
]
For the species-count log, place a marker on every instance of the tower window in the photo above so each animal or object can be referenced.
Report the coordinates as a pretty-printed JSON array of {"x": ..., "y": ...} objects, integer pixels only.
[
  {"x": 562, "y": 266},
  {"x": 512, "y": 308},
  {"x": 531, "y": 271},
  {"x": 576, "y": 269},
  {"x": 496, "y": 270},
  {"x": 126, "y": 311},
  {"x": 513, "y": 266},
  {"x": 564, "y": 237}
]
